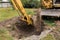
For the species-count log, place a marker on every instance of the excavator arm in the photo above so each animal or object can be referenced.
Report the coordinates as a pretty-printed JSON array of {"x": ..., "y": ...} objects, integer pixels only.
[{"x": 18, "y": 6}]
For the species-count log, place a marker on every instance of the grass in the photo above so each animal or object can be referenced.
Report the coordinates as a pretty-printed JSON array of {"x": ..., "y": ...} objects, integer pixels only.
[
  {"x": 48, "y": 37},
  {"x": 30, "y": 11},
  {"x": 50, "y": 23},
  {"x": 4, "y": 34},
  {"x": 7, "y": 13}
]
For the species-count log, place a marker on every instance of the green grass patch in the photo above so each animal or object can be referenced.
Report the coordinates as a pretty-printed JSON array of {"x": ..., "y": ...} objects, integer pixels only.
[
  {"x": 50, "y": 23},
  {"x": 4, "y": 34},
  {"x": 7, "y": 13},
  {"x": 30, "y": 11},
  {"x": 48, "y": 37}
]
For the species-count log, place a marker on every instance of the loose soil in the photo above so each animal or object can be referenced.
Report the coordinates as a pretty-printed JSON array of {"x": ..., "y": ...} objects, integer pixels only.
[
  {"x": 18, "y": 31},
  {"x": 18, "y": 28}
]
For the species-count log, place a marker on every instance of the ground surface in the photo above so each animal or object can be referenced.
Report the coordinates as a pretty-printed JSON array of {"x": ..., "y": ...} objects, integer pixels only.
[
  {"x": 8, "y": 20},
  {"x": 9, "y": 25}
]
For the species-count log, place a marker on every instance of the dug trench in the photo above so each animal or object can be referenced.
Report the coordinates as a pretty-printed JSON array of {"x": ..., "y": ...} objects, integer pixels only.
[{"x": 19, "y": 29}]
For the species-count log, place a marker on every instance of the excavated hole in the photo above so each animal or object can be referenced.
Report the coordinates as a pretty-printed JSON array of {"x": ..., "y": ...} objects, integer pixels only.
[{"x": 24, "y": 27}]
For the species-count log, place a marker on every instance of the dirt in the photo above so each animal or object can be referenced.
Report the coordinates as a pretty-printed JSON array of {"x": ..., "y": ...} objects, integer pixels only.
[
  {"x": 24, "y": 32},
  {"x": 19, "y": 29},
  {"x": 56, "y": 31}
]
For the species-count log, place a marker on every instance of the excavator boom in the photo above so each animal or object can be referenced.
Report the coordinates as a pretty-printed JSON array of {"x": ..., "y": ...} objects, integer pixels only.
[{"x": 18, "y": 6}]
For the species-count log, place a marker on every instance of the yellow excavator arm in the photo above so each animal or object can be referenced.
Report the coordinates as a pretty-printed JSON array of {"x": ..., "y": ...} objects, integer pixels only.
[{"x": 18, "y": 6}]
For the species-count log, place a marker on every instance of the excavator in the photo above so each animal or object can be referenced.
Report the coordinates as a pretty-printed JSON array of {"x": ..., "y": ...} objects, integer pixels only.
[{"x": 51, "y": 3}]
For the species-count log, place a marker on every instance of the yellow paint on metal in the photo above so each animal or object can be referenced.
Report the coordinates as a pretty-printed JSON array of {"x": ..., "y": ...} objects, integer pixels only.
[
  {"x": 47, "y": 3},
  {"x": 14, "y": 5}
]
